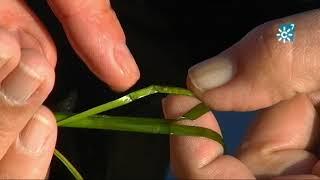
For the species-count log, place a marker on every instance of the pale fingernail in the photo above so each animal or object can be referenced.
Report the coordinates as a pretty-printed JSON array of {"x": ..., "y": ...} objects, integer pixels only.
[
  {"x": 211, "y": 73},
  {"x": 20, "y": 84},
  {"x": 125, "y": 60},
  {"x": 35, "y": 135}
]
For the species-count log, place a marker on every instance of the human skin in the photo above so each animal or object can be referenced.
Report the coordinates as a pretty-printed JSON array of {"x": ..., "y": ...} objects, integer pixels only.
[
  {"x": 258, "y": 72},
  {"x": 27, "y": 60},
  {"x": 262, "y": 79}
]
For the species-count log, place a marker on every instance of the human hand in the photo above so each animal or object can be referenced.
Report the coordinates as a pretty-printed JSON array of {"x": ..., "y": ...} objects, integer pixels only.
[
  {"x": 27, "y": 61},
  {"x": 93, "y": 30},
  {"x": 255, "y": 73},
  {"x": 27, "y": 129},
  {"x": 96, "y": 35},
  {"x": 260, "y": 71},
  {"x": 280, "y": 144}
]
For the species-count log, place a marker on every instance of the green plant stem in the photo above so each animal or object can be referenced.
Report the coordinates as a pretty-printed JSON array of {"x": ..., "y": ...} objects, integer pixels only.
[
  {"x": 141, "y": 125},
  {"x": 90, "y": 120},
  {"x": 126, "y": 100},
  {"x": 195, "y": 112},
  {"x": 71, "y": 168}
]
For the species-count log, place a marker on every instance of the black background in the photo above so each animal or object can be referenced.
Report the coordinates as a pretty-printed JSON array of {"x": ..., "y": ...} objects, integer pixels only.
[{"x": 166, "y": 37}]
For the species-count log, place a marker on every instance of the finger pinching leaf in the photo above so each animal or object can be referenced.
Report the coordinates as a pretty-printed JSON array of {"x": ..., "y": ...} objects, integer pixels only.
[{"x": 91, "y": 119}]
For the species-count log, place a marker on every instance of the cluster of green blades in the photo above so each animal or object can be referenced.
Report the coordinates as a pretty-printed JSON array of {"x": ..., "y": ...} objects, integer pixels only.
[{"x": 91, "y": 120}]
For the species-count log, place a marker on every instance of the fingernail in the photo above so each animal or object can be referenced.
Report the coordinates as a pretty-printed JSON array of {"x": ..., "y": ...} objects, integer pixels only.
[
  {"x": 20, "y": 84},
  {"x": 35, "y": 135},
  {"x": 125, "y": 60},
  {"x": 211, "y": 73}
]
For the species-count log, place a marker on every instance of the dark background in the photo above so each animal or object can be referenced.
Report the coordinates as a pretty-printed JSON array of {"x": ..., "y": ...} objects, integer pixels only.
[{"x": 166, "y": 37}]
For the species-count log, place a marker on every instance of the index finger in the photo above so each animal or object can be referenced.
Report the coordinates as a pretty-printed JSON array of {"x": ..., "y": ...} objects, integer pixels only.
[
  {"x": 199, "y": 158},
  {"x": 96, "y": 35}
]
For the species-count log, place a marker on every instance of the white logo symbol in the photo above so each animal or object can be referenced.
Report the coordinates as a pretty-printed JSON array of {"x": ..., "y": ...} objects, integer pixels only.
[{"x": 286, "y": 33}]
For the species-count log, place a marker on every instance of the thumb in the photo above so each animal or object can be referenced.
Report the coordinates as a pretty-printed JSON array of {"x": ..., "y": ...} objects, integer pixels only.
[
  {"x": 260, "y": 70},
  {"x": 30, "y": 155}
]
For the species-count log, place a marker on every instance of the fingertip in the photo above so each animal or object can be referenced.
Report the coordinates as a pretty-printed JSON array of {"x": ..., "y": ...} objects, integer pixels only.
[
  {"x": 30, "y": 155},
  {"x": 115, "y": 66},
  {"x": 39, "y": 135},
  {"x": 175, "y": 106},
  {"x": 213, "y": 72},
  {"x": 194, "y": 89},
  {"x": 190, "y": 154},
  {"x": 126, "y": 68},
  {"x": 99, "y": 40},
  {"x": 265, "y": 70},
  {"x": 121, "y": 78},
  {"x": 123, "y": 84},
  {"x": 49, "y": 118}
]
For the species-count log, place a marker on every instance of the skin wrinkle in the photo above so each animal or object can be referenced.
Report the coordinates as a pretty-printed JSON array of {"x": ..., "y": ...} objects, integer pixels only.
[
  {"x": 37, "y": 41},
  {"x": 267, "y": 153},
  {"x": 46, "y": 45},
  {"x": 269, "y": 159},
  {"x": 267, "y": 149},
  {"x": 20, "y": 23},
  {"x": 24, "y": 150},
  {"x": 206, "y": 162}
]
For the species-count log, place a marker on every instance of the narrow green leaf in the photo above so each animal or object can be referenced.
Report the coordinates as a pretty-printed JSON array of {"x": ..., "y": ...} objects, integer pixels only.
[
  {"x": 141, "y": 125},
  {"x": 70, "y": 167},
  {"x": 195, "y": 112},
  {"x": 126, "y": 100},
  {"x": 90, "y": 120}
]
